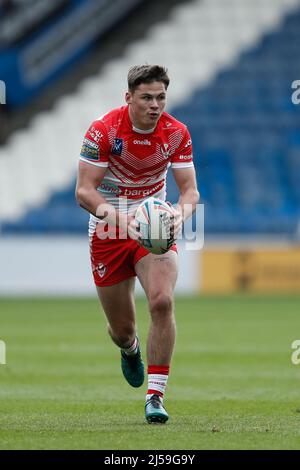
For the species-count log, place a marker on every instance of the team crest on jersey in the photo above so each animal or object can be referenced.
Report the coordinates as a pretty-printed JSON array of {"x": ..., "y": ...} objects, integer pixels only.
[
  {"x": 117, "y": 147},
  {"x": 101, "y": 269},
  {"x": 165, "y": 150}
]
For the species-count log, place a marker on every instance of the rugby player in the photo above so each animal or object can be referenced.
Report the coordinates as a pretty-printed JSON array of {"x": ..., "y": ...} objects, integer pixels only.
[{"x": 124, "y": 159}]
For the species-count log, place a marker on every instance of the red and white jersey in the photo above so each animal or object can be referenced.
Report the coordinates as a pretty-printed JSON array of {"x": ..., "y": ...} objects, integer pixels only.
[{"x": 136, "y": 160}]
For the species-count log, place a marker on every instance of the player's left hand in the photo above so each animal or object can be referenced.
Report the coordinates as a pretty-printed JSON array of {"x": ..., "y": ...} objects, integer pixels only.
[{"x": 177, "y": 221}]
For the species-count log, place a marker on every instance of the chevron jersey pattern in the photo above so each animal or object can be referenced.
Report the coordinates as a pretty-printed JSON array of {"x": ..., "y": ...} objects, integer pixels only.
[{"x": 136, "y": 161}]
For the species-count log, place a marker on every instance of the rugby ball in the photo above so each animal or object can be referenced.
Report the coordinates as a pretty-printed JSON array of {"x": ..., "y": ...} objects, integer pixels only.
[{"x": 154, "y": 218}]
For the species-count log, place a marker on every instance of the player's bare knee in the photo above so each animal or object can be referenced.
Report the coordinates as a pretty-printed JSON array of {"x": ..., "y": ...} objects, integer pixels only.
[
  {"x": 123, "y": 336},
  {"x": 161, "y": 303}
]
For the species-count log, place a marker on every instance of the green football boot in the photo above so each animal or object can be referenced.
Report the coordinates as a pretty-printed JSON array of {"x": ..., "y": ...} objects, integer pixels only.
[
  {"x": 154, "y": 410},
  {"x": 133, "y": 368}
]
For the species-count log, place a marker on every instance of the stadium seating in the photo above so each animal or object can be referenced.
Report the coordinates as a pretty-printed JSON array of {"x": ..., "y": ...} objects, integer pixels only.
[
  {"x": 245, "y": 131},
  {"x": 246, "y": 136}
]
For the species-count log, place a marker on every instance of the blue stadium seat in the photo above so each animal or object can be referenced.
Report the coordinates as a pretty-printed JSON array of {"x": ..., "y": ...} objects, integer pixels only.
[{"x": 245, "y": 130}]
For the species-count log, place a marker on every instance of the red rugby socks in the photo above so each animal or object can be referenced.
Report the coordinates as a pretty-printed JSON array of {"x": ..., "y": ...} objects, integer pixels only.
[{"x": 157, "y": 380}]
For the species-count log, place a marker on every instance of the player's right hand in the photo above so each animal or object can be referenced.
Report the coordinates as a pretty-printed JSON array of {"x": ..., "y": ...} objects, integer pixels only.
[{"x": 133, "y": 229}]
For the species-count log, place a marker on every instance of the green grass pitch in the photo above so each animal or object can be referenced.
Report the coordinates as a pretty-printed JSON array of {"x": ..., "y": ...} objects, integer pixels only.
[{"x": 232, "y": 383}]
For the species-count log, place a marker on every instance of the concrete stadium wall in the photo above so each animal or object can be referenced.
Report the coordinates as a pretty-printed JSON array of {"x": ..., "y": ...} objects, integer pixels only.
[
  {"x": 60, "y": 266},
  {"x": 50, "y": 266}
]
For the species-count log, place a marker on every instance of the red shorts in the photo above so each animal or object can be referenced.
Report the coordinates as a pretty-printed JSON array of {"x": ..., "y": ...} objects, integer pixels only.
[{"x": 113, "y": 260}]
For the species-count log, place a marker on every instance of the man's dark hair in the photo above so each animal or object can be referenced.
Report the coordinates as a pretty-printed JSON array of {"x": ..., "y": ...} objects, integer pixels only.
[{"x": 147, "y": 74}]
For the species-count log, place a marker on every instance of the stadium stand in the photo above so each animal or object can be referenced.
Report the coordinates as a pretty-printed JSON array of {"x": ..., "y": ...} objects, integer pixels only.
[
  {"x": 232, "y": 77},
  {"x": 22, "y": 17},
  {"x": 246, "y": 131}
]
